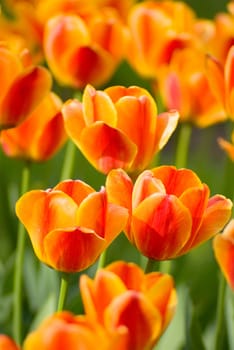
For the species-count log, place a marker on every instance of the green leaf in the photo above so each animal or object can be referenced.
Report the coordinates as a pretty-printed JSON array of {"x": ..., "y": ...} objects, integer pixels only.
[{"x": 230, "y": 317}]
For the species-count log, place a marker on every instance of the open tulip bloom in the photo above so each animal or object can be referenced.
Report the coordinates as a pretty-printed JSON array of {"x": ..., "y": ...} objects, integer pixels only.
[
  {"x": 71, "y": 224},
  {"x": 170, "y": 210}
]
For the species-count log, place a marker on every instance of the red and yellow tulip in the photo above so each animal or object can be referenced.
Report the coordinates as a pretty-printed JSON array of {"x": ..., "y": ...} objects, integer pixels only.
[
  {"x": 66, "y": 331},
  {"x": 118, "y": 127},
  {"x": 170, "y": 212},
  {"x": 121, "y": 296},
  {"x": 223, "y": 245},
  {"x": 71, "y": 224},
  {"x": 40, "y": 136},
  {"x": 22, "y": 88},
  {"x": 6, "y": 343},
  {"x": 182, "y": 83},
  {"x": 84, "y": 50}
]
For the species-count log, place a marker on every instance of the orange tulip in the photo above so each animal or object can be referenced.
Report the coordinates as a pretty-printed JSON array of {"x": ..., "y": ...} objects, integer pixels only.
[
  {"x": 222, "y": 82},
  {"x": 71, "y": 224},
  {"x": 40, "y": 135},
  {"x": 6, "y": 343},
  {"x": 65, "y": 331},
  {"x": 223, "y": 245},
  {"x": 121, "y": 296},
  {"x": 170, "y": 213},
  {"x": 182, "y": 83},
  {"x": 80, "y": 51},
  {"x": 118, "y": 127},
  {"x": 22, "y": 88},
  {"x": 157, "y": 29}
]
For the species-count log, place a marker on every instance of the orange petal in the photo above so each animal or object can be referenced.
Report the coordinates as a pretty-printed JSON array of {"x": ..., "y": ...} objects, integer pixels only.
[
  {"x": 224, "y": 254},
  {"x": 118, "y": 91},
  {"x": 76, "y": 189},
  {"x": 229, "y": 72},
  {"x": 117, "y": 183},
  {"x": 145, "y": 185},
  {"x": 130, "y": 274},
  {"x": 73, "y": 116},
  {"x": 227, "y": 147},
  {"x": 25, "y": 93},
  {"x": 166, "y": 125},
  {"x": 106, "y": 148},
  {"x": 98, "y": 294},
  {"x": 196, "y": 200},
  {"x": 161, "y": 225},
  {"x": 72, "y": 250},
  {"x": 144, "y": 110},
  {"x": 98, "y": 106},
  {"x": 138, "y": 315},
  {"x": 43, "y": 211},
  {"x": 106, "y": 219},
  {"x": 215, "y": 75},
  {"x": 6, "y": 343},
  {"x": 216, "y": 216},
  {"x": 176, "y": 181}
]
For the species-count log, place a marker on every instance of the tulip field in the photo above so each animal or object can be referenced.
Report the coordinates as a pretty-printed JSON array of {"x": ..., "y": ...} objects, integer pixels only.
[{"x": 117, "y": 175}]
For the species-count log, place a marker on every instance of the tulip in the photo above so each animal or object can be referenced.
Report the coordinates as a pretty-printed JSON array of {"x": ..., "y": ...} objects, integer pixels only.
[
  {"x": 6, "y": 343},
  {"x": 118, "y": 127},
  {"x": 22, "y": 88},
  {"x": 221, "y": 81},
  {"x": 171, "y": 211},
  {"x": 122, "y": 296},
  {"x": 71, "y": 224},
  {"x": 157, "y": 30},
  {"x": 80, "y": 51},
  {"x": 223, "y": 245},
  {"x": 40, "y": 136},
  {"x": 182, "y": 83},
  {"x": 66, "y": 331}
]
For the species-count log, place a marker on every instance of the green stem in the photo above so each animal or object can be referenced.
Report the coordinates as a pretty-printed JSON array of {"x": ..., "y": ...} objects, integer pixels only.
[
  {"x": 220, "y": 324},
  {"x": 102, "y": 260},
  {"x": 183, "y": 145},
  {"x": 20, "y": 247},
  {"x": 152, "y": 265},
  {"x": 63, "y": 292},
  {"x": 165, "y": 266},
  {"x": 69, "y": 161}
]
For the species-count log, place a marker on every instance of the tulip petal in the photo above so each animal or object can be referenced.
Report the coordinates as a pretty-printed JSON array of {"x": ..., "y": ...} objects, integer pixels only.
[
  {"x": 6, "y": 343},
  {"x": 229, "y": 72},
  {"x": 130, "y": 274},
  {"x": 176, "y": 181},
  {"x": 117, "y": 183},
  {"x": 145, "y": 185},
  {"x": 25, "y": 93},
  {"x": 227, "y": 147},
  {"x": 106, "y": 148},
  {"x": 161, "y": 226},
  {"x": 215, "y": 77},
  {"x": 98, "y": 294},
  {"x": 216, "y": 216},
  {"x": 43, "y": 211},
  {"x": 138, "y": 315},
  {"x": 98, "y": 107},
  {"x": 224, "y": 254},
  {"x": 144, "y": 110},
  {"x": 74, "y": 123},
  {"x": 166, "y": 125},
  {"x": 196, "y": 200},
  {"x": 76, "y": 189},
  {"x": 72, "y": 250}
]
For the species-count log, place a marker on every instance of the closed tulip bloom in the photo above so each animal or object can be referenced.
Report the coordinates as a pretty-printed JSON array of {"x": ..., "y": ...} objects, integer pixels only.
[
  {"x": 66, "y": 331},
  {"x": 223, "y": 245},
  {"x": 181, "y": 84},
  {"x": 171, "y": 211},
  {"x": 118, "y": 127},
  {"x": 71, "y": 224},
  {"x": 22, "y": 88},
  {"x": 80, "y": 51},
  {"x": 40, "y": 136},
  {"x": 6, "y": 343},
  {"x": 121, "y": 296}
]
